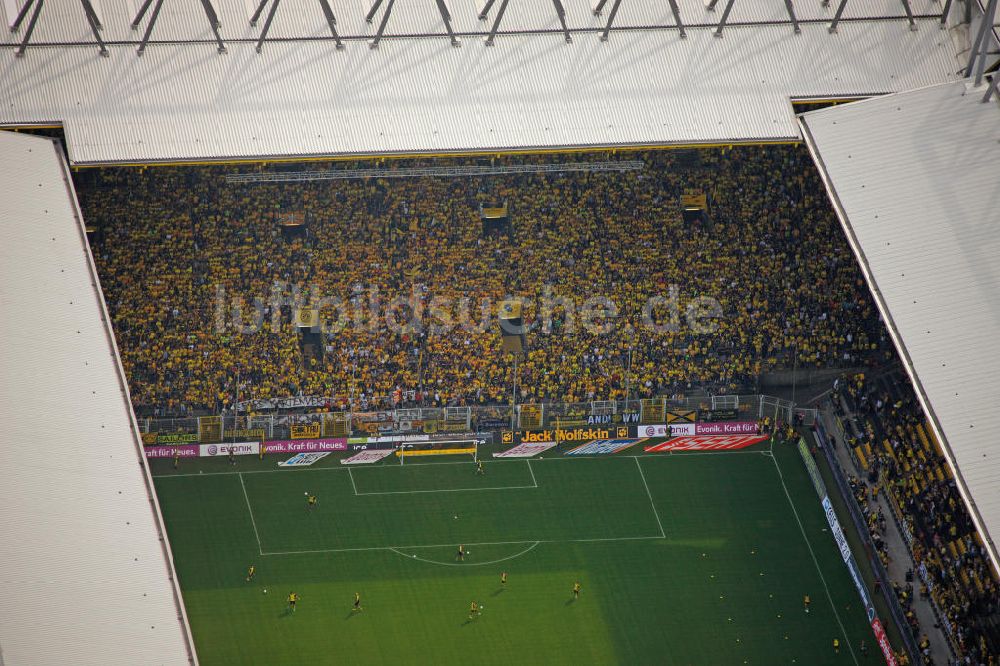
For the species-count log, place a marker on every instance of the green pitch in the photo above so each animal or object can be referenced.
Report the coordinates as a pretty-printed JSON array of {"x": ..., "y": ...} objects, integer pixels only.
[{"x": 682, "y": 559}]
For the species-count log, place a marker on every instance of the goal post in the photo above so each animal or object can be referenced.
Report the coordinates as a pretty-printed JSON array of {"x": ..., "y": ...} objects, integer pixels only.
[{"x": 449, "y": 447}]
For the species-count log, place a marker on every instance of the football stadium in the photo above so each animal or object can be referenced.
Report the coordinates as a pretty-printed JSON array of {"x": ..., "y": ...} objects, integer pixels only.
[{"x": 497, "y": 332}]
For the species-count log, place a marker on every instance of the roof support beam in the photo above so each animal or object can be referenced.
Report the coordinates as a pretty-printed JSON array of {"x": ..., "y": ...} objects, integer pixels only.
[
  {"x": 88, "y": 12},
  {"x": 836, "y": 16},
  {"x": 31, "y": 24},
  {"x": 496, "y": 22},
  {"x": 95, "y": 25},
  {"x": 677, "y": 17},
  {"x": 561, "y": 13},
  {"x": 370, "y": 16},
  {"x": 331, "y": 22},
  {"x": 382, "y": 23},
  {"x": 152, "y": 22},
  {"x": 446, "y": 17},
  {"x": 213, "y": 22},
  {"x": 611, "y": 20},
  {"x": 139, "y": 16},
  {"x": 944, "y": 13},
  {"x": 674, "y": 9},
  {"x": 909, "y": 14},
  {"x": 791, "y": 15},
  {"x": 486, "y": 9},
  {"x": 906, "y": 8},
  {"x": 993, "y": 87},
  {"x": 257, "y": 12},
  {"x": 725, "y": 17},
  {"x": 267, "y": 23},
  {"x": 980, "y": 46},
  {"x": 371, "y": 12}
]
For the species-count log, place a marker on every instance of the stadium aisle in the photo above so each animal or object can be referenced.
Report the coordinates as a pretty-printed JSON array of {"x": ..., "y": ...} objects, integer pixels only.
[{"x": 900, "y": 559}]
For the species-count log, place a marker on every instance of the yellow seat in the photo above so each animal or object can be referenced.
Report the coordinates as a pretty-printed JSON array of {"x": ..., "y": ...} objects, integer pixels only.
[
  {"x": 861, "y": 457},
  {"x": 935, "y": 444},
  {"x": 922, "y": 436}
]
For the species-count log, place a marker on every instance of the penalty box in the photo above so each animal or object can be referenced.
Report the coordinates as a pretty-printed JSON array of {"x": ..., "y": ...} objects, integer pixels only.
[{"x": 547, "y": 501}]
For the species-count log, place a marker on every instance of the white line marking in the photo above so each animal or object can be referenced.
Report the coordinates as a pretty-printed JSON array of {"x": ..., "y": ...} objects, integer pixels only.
[
  {"x": 533, "y": 479},
  {"x": 353, "y": 485},
  {"x": 650, "y": 496},
  {"x": 815, "y": 561},
  {"x": 452, "y": 545},
  {"x": 344, "y": 468},
  {"x": 260, "y": 549},
  {"x": 441, "y": 490},
  {"x": 466, "y": 564},
  {"x": 347, "y": 468}
]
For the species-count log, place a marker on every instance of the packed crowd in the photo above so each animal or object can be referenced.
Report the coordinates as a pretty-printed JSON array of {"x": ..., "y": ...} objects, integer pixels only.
[
  {"x": 897, "y": 451},
  {"x": 171, "y": 240}
]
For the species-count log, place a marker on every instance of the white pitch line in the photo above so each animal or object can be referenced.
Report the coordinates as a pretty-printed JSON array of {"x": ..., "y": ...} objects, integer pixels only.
[
  {"x": 815, "y": 561},
  {"x": 452, "y": 545},
  {"x": 650, "y": 496},
  {"x": 442, "y": 490},
  {"x": 533, "y": 479},
  {"x": 353, "y": 485},
  {"x": 260, "y": 549},
  {"x": 343, "y": 468},
  {"x": 466, "y": 564}
]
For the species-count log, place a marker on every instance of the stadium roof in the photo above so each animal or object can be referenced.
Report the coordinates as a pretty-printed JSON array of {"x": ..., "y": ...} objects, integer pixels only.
[
  {"x": 914, "y": 180},
  {"x": 85, "y": 574},
  {"x": 415, "y": 93}
]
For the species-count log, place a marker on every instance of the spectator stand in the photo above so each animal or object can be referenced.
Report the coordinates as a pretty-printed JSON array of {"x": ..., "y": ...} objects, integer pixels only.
[{"x": 890, "y": 447}]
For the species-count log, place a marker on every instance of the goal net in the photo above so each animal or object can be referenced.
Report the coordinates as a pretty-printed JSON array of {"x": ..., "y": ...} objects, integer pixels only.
[{"x": 450, "y": 447}]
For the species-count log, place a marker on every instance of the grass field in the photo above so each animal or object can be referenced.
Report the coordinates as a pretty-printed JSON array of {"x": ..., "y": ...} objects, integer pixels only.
[{"x": 683, "y": 559}]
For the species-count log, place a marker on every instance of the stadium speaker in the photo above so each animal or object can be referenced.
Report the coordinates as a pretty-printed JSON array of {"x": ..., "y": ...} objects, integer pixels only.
[{"x": 513, "y": 338}]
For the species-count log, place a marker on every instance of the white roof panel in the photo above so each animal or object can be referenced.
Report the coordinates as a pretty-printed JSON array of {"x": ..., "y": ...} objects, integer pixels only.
[
  {"x": 914, "y": 179},
  {"x": 185, "y": 101},
  {"x": 84, "y": 575}
]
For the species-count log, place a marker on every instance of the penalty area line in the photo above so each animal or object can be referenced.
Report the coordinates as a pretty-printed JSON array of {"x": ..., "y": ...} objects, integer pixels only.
[
  {"x": 652, "y": 504},
  {"x": 260, "y": 549},
  {"x": 654, "y": 537},
  {"x": 532, "y": 472},
  {"x": 465, "y": 564}
]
